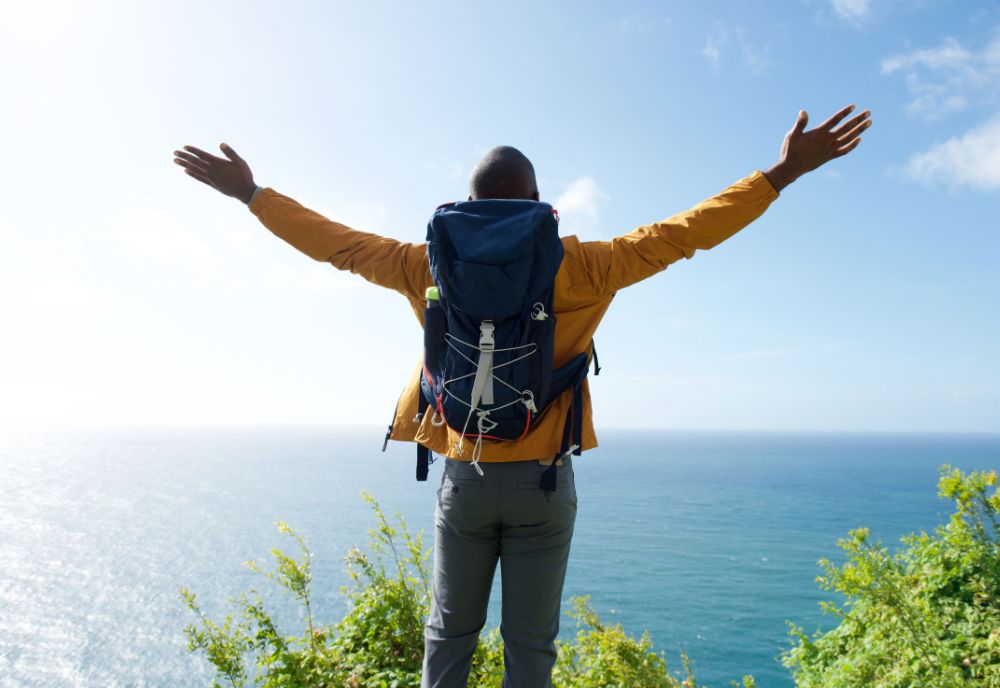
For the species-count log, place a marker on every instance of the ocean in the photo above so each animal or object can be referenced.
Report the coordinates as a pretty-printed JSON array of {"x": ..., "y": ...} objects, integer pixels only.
[{"x": 709, "y": 541}]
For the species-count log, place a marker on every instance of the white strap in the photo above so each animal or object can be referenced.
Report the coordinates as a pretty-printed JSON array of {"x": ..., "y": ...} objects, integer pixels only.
[
  {"x": 559, "y": 459},
  {"x": 482, "y": 386}
]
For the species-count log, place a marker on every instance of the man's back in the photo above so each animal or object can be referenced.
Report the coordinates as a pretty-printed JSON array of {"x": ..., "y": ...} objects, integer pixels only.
[{"x": 590, "y": 275}]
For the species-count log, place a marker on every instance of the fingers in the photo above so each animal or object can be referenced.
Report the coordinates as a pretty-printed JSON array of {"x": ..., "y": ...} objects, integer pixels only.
[
  {"x": 844, "y": 150},
  {"x": 203, "y": 156},
  {"x": 194, "y": 170},
  {"x": 200, "y": 177},
  {"x": 230, "y": 153},
  {"x": 194, "y": 167},
  {"x": 833, "y": 121},
  {"x": 848, "y": 133},
  {"x": 851, "y": 124},
  {"x": 189, "y": 161},
  {"x": 801, "y": 122}
]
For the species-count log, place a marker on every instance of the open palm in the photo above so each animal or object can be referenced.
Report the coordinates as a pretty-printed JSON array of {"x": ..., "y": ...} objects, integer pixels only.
[{"x": 803, "y": 151}]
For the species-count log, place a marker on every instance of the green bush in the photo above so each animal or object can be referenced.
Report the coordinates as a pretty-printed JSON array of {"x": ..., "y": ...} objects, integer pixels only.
[
  {"x": 925, "y": 617},
  {"x": 379, "y": 644},
  {"x": 928, "y": 616}
]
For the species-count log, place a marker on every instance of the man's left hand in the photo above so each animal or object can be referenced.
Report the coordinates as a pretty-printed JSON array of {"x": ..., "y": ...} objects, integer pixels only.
[{"x": 803, "y": 151}]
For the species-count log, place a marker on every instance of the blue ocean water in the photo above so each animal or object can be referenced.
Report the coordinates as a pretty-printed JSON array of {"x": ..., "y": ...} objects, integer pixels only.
[{"x": 707, "y": 540}]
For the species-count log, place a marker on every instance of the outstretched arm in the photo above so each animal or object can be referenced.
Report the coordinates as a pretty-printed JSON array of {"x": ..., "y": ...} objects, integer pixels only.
[
  {"x": 608, "y": 266},
  {"x": 383, "y": 261}
]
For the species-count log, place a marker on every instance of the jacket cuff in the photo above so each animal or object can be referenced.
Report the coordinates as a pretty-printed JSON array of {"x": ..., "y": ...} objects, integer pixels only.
[
  {"x": 253, "y": 196},
  {"x": 759, "y": 178}
]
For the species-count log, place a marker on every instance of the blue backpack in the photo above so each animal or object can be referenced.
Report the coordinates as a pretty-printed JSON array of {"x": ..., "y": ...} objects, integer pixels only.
[{"x": 489, "y": 327}]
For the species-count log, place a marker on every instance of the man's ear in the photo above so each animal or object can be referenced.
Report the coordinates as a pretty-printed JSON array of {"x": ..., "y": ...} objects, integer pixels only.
[
  {"x": 470, "y": 197},
  {"x": 535, "y": 195}
]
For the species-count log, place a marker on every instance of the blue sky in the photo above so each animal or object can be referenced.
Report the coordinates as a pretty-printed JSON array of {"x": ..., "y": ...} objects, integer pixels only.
[{"x": 862, "y": 300}]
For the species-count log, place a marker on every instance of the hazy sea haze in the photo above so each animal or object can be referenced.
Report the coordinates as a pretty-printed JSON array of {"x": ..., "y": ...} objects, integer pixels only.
[{"x": 708, "y": 540}]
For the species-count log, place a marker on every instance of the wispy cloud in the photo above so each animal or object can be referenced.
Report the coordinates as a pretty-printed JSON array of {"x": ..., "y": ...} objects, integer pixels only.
[
  {"x": 640, "y": 21},
  {"x": 854, "y": 11},
  {"x": 948, "y": 77},
  {"x": 950, "y": 54},
  {"x": 579, "y": 204},
  {"x": 970, "y": 160},
  {"x": 736, "y": 42},
  {"x": 712, "y": 51}
]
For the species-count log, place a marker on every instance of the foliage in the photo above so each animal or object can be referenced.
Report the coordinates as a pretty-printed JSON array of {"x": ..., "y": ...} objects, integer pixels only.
[
  {"x": 926, "y": 616},
  {"x": 379, "y": 643},
  {"x": 604, "y": 656}
]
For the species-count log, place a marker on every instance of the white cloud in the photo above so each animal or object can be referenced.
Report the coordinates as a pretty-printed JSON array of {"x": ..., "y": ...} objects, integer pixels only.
[
  {"x": 579, "y": 204},
  {"x": 753, "y": 56},
  {"x": 711, "y": 52},
  {"x": 944, "y": 79},
  {"x": 640, "y": 21},
  {"x": 950, "y": 54},
  {"x": 971, "y": 160},
  {"x": 851, "y": 10},
  {"x": 948, "y": 77}
]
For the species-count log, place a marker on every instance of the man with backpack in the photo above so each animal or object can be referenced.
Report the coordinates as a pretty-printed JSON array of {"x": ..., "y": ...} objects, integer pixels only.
[{"x": 509, "y": 313}]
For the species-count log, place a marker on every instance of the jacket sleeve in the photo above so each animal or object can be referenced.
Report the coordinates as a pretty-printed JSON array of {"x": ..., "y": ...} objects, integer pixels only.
[
  {"x": 627, "y": 259},
  {"x": 386, "y": 262}
]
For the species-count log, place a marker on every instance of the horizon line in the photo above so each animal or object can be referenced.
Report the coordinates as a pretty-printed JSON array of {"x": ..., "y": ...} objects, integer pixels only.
[{"x": 380, "y": 428}]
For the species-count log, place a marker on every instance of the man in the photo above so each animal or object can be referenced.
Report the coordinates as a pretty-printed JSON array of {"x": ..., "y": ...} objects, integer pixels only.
[{"x": 501, "y": 514}]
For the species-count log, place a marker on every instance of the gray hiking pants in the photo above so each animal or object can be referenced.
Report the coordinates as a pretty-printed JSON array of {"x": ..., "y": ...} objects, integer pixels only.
[{"x": 501, "y": 515}]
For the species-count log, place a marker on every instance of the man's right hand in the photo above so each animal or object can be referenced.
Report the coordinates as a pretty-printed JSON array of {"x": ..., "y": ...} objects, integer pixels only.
[{"x": 231, "y": 177}]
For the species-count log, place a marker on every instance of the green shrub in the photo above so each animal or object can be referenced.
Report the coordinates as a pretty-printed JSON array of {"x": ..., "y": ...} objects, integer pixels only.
[
  {"x": 925, "y": 617},
  {"x": 928, "y": 616},
  {"x": 379, "y": 643}
]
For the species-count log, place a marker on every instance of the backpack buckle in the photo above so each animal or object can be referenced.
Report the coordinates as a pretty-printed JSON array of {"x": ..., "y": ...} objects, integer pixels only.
[
  {"x": 566, "y": 454},
  {"x": 486, "y": 339},
  {"x": 487, "y": 344}
]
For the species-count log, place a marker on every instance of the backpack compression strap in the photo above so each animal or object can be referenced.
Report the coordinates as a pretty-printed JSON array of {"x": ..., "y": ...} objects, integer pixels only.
[
  {"x": 423, "y": 453},
  {"x": 573, "y": 428}
]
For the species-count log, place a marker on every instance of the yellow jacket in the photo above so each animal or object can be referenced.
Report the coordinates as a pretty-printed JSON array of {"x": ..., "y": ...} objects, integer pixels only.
[{"x": 589, "y": 276}]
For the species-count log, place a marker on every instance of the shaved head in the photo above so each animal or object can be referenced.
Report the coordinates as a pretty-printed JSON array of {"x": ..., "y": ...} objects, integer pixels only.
[{"x": 504, "y": 172}]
